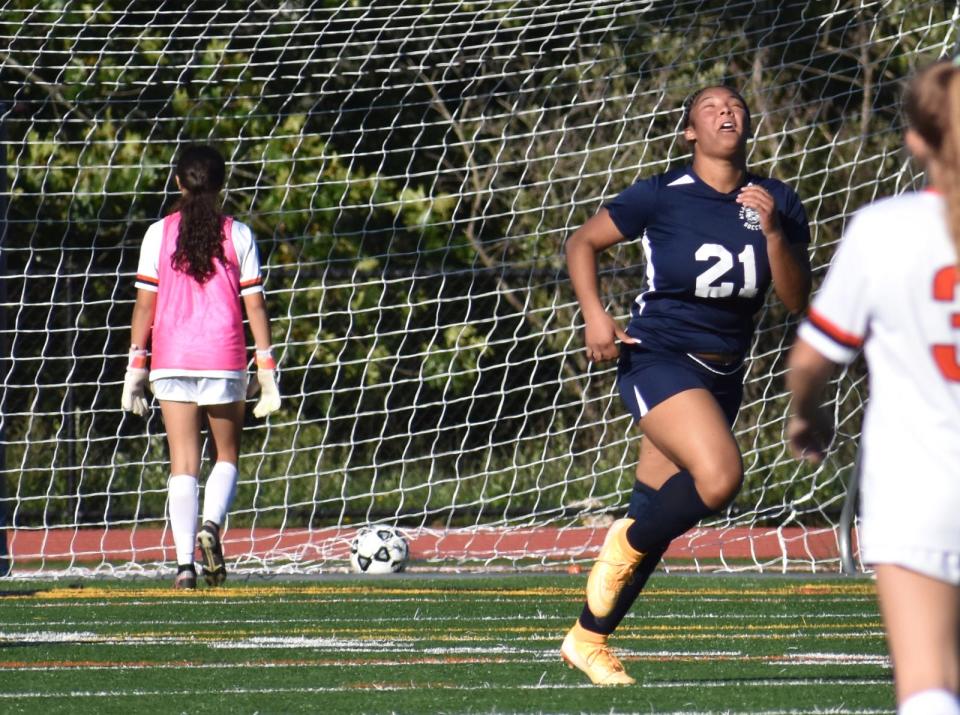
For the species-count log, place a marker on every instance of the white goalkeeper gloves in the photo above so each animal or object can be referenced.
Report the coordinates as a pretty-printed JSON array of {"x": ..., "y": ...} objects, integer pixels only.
[
  {"x": 134, "y": 397},
  {"x": 265, "y": 382}
]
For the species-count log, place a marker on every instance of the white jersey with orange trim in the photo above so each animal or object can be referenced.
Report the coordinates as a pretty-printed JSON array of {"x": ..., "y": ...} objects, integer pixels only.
[
  {"x": 892, "y": 289},
  {"x": 198, "y": 328}
]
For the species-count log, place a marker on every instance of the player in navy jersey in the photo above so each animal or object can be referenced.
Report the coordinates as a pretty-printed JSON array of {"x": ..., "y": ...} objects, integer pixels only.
[{"x": 714, "y": 238}]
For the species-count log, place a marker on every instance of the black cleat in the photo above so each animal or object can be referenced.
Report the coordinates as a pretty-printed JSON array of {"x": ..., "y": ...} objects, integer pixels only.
[
  {"x": 186, "y": 579},
  {"x": 214, "y": 568}
]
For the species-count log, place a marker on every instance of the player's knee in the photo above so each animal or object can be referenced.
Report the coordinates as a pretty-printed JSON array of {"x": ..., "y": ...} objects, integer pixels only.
[{"x": 719, "y": 483}]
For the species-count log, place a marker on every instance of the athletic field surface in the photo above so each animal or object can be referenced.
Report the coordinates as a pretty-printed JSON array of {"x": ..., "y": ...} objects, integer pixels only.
[{"x": 437, "y": 644}]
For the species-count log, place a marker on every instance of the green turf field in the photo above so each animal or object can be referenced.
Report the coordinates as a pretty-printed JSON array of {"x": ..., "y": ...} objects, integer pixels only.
[{"x": 415, "y": 644}]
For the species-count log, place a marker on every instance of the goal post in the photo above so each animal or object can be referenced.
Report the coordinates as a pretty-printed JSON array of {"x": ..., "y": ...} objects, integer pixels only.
[
  {"x": 411, "y": 170},
  {"x": 4, "y": 336}
]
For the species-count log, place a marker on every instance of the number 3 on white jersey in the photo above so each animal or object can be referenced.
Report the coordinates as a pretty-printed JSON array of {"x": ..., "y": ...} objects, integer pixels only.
[
  {"x": 706, "y": 288},
  {"x": 945, "y": 355}
]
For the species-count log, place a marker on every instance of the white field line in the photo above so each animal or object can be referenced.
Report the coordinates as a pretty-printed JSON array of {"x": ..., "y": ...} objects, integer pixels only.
[
  {"x": 462, "y": 618},
  {"x": 839, "y": 710},
  {"x": 466, "y": 656},
  {"x": 445, "y": 662},
  {"x": 374, "y": 642},
  {"x": 832, "y": 659},
  {"x": 51, "y": 637},
  {"x": 776, "y": 682},
  {"x": 374, "y": 645},
  {"x": 345, "y": 645},
  {"x": 397, "y": 642},
  {"x": 621, "y": 637},
  {"x": 373, "y": 600},
  {"x": 787, "y": 600},
  {"x": 166, "y": 693},
  {"x": 824, "y": 711}
]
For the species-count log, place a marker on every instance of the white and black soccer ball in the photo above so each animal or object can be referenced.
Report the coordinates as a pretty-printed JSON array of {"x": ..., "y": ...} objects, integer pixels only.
[{"x": 379, "y": 549}]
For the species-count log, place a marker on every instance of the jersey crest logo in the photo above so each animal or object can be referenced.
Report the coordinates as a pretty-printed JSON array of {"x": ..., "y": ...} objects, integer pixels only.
[{"x": 750, "y": 218}]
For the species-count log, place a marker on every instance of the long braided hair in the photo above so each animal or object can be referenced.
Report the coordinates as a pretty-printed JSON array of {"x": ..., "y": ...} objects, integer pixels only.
[
  {"x": 201, "y": 171},
  {"x": 932, "y": 107}
]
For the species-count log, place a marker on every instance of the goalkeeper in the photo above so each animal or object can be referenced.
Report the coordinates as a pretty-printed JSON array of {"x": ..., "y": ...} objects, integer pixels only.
[
  {"x": 198, "y": 271},
  {"x": 714, "y": 237}
]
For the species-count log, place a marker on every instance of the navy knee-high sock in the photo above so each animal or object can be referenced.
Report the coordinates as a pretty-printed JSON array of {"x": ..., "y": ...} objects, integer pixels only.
[
  {"x": 640, "y": 501},
  {"x": 673, "y": 509},
  {"x": 627, "y": 596},
  {"x": 660, "y": 515}
]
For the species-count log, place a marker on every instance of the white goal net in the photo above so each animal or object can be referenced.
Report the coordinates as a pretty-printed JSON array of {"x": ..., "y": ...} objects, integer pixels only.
[{"x": 411, "y": 170}]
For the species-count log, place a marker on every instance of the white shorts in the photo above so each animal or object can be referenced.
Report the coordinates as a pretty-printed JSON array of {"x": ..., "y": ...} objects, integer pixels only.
[
  {"x": 200, "y": 390},
  {"x": 935, "y": 563}
]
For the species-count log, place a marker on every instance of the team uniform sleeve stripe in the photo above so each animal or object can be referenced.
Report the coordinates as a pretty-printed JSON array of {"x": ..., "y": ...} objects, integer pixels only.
[
  {"x": 251, "y": 286},
  {"x": 832, "y": 331},
  {"x": 825, "y": 345},
  {"x": 149, "y": 280},
  {"x": 152, "y": 286}
]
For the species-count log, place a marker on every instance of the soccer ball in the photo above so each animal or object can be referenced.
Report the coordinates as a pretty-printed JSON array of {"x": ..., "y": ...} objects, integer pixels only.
[{"x": 379, "y": 549}]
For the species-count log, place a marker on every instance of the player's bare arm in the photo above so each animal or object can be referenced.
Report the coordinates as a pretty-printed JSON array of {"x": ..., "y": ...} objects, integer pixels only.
[
  {"x": 142, "y": 320},
  {"x": 810, "y": 429},
  {"x": 264, "y": 381},
  {"x": 789, "y": 263},
  {"x": 601, "y": 331},
  {"x": 255, "y": 306}
]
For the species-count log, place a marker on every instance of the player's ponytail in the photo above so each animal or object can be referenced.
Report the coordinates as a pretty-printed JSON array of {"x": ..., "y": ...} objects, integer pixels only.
[
  {"x": 951, "y": 158},
  {"x": 201, "y": 171},
  {"x": 932, "y": 107}
]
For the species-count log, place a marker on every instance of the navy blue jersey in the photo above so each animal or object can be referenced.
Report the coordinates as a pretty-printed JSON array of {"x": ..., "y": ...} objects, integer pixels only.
[{"x": 707, "y": 271}]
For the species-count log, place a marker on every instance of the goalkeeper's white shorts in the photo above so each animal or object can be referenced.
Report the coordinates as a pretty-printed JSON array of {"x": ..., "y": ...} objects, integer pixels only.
[{"x": 200, "y": 390}]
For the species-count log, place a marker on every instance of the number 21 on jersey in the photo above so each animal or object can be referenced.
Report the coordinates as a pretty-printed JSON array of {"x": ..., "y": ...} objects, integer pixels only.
[{"x": 707, "y": 285}]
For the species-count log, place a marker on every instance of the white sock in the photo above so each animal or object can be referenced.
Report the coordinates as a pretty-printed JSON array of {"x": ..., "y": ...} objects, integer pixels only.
[
  {"x": 182, "y": 503},
  {"x": 930, "y": 702},
  {"x": 219, "y": 491}
]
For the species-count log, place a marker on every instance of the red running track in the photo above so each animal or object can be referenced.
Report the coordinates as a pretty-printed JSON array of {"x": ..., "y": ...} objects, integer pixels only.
[{"x": 549, "y": 543}]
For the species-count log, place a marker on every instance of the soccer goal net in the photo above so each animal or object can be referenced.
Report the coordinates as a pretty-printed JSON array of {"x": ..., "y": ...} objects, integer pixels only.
[{"x": 411, "y": 170}]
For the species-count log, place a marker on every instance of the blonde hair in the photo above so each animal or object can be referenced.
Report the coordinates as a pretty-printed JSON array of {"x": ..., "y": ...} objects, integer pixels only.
[{"x": 932, "y": 107}]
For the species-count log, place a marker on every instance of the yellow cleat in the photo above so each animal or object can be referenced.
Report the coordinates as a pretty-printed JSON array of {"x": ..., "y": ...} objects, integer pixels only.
[
  {"x": 590, "y": 653},
  {"x": 612, "y": 570}
]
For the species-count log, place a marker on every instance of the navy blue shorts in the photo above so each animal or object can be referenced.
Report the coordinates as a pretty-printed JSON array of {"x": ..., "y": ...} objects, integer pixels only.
[{"x": 648, "y": 377}]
